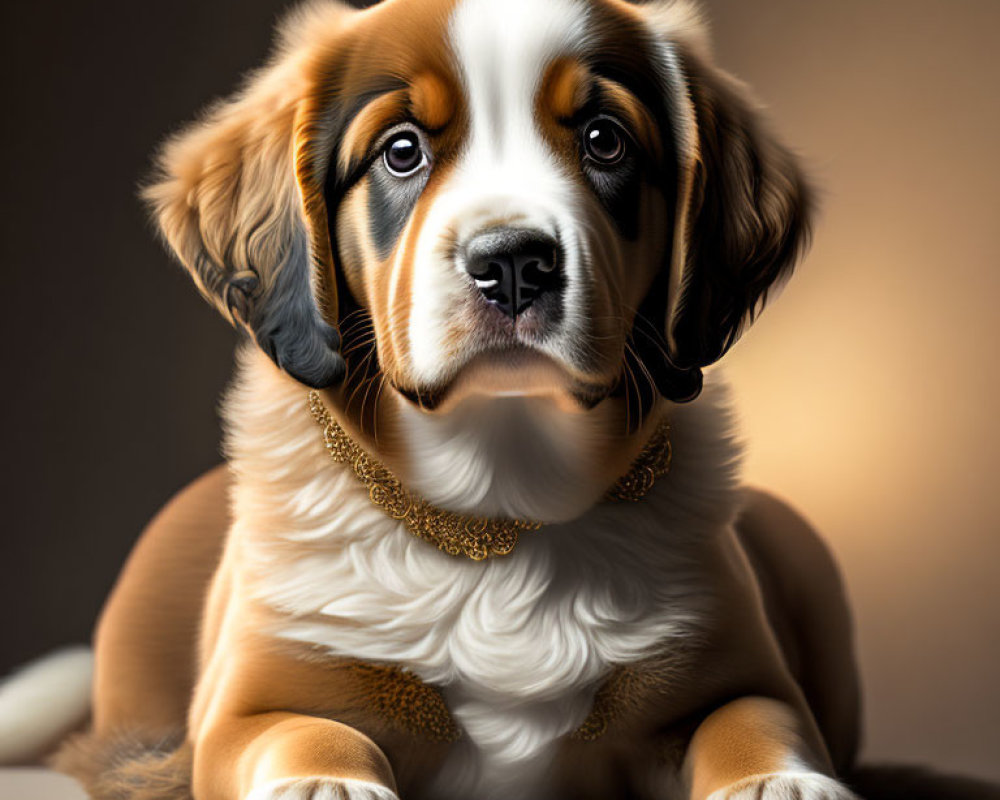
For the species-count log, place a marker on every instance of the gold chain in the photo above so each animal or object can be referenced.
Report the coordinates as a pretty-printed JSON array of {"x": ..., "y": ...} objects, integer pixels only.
[{"x": 457, "y": 534}]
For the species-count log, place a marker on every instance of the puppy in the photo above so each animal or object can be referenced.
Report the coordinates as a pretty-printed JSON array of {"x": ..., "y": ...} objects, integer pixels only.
[{"x": 476, "y": 537}]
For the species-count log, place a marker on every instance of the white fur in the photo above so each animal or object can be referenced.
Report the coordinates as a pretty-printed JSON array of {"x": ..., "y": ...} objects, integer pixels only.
[
  {"x": 521, "y": 459},
  {"x": 537, "y": 466},
  {"x": 785, "y": 785},
  {"x": 42, "y": 702},
  {"x": 797, "y": 781},
  {"x": 506, "y": 176},
  {"x": 321, "y": 789},
  {"x": 517, "y": 644}
]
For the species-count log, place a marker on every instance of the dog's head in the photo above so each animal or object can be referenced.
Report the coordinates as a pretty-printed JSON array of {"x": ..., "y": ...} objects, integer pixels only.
[{"x": 512, "y": 224}]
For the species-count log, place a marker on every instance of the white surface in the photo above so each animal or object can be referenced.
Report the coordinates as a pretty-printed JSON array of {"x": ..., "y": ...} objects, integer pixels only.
[
  {"x": 25, "y": 783},
  {"x": 42, "y": 702}
]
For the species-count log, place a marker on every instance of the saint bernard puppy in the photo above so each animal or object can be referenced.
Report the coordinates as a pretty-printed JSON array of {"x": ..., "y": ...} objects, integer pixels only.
[{"x": 478, "y": 535}]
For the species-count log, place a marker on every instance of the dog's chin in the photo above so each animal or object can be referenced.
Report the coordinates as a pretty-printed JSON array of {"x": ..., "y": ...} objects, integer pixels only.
[
  {"x": 508, "y": 374},
  {"x": 509, "y": 436}
]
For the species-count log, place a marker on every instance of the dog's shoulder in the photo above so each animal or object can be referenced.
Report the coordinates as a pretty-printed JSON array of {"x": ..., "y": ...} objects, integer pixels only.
[{"x": 787, "y": 553}]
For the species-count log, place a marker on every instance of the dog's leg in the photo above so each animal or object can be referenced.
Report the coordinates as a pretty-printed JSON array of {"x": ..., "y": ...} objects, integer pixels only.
[
  {"x": 283, "y": 756},
  {"x": 758, "y": 749}
]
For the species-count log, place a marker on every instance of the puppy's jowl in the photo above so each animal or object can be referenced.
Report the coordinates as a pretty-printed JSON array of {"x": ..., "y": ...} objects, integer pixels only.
[{"x": 481, "y": 534}]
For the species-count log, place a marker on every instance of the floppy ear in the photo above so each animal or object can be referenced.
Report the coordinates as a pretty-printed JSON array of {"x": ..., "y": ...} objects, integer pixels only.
[
  {"x": 747, "y": 220},
  {"x": 743, "y": 205},
  {"x": 228, "y": 199}
]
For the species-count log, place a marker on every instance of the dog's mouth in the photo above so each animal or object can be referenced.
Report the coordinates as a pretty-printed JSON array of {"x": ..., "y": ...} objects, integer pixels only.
[{"x": 518, "y": 372}]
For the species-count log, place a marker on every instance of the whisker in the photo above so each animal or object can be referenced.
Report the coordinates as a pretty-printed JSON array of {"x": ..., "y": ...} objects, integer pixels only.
[
  {"x": 360, "y": 372},
  {"x": 630, "y": 381},
  {"x": 364, "y": 400},
  {"x": 646, "y": 373},
  {"x": 355, "y": 346},
  {"x": 375, "y": 406}
]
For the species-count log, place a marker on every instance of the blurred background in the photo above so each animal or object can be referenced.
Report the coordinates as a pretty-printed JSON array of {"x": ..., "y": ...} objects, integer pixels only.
[{"x": 868, "y": 392}]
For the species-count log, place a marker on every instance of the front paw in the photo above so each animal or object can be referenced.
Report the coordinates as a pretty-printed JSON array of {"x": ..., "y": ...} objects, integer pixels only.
[
  {"x": 785, "y": 786},
  {"x": 321, "y": 788}
]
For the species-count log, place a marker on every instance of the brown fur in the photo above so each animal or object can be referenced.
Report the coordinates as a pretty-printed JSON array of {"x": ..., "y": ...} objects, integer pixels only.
[
  {"x": 242, "y": 198},
  {"x": 749, "y": 212},
  {"x": 128, "y": 766},
  {"x": 633, "y": 705}
]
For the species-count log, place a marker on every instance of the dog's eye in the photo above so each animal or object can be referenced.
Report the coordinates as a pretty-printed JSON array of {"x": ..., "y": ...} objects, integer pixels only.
[
  {"x": 403, "y": 154},
  {"x": 604, "y": 141}
]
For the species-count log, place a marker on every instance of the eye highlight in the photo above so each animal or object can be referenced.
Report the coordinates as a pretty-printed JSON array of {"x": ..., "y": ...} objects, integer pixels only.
[
  {"x": 403, "y": 154},
  {"x": 604, "y": 141}
]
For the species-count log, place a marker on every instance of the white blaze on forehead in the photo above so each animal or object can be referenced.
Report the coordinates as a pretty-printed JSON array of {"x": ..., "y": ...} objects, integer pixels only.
[{"x": 503, "y": 49}]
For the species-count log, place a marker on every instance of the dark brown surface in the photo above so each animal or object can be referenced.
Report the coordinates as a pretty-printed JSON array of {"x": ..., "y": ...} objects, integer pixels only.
[{"x": 113, "y": 365}]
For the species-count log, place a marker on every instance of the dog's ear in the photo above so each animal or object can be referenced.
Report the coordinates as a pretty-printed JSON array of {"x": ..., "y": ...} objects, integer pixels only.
[
  {"x": 228, "y": 197},
  {"x": 746, "y": 221},
  {"x": 743, "y": 205}
]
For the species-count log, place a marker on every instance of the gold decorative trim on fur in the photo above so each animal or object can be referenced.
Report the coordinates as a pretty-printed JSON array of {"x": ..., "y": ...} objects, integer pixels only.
[
  {"x": 652, "y": 463},
  {"x": 400, "y": 698},
  {"x": 629, "y": 689},
  {"x": 403, "y": 700},
  {"x": 619, "y": 689},
  {"x": 456, "y": 534}
]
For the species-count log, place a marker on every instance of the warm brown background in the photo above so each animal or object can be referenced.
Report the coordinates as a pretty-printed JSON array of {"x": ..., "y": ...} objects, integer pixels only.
[{"x": 868, "y": 390}]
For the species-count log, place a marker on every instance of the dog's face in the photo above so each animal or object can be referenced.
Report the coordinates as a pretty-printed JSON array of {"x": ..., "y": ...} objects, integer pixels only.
[
  {"x": 504, "y": 194},
  {"x": 529, "y": 220}
]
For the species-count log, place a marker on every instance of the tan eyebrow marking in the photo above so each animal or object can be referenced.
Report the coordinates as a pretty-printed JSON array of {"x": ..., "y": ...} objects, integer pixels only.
[
  {"x": 427, "y": 99},
  {"x": 431, "y": 102},
  {"x": 367, "y": 124},
  {"x": 568, "y": 86},
  {"x": 623, "y": 103},
  {"x": 565, "y": 87}
]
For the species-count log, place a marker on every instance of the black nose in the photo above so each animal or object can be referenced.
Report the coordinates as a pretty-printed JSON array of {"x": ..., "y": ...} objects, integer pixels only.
[{"x": 513, "y": 268}]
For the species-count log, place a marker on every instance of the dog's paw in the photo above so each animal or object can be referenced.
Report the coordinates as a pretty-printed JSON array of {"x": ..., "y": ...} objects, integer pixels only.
[
  {"x": 785, "y": 786},
  {"x": 321, "y": 789}
]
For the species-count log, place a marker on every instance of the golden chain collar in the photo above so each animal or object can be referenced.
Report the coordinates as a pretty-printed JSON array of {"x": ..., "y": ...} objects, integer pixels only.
[{"x": 457, "y": 534}]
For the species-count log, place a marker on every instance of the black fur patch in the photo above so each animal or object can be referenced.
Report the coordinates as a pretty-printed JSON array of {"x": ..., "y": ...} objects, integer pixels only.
[
  {"x": 390, "y": 202},
  {"x": 289, "y": 328},
  {"x": 619, "y": 188},
  {"x": 337, "y": 185}
]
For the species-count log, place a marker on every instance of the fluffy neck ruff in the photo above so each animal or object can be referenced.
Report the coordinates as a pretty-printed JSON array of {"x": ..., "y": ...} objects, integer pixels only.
[
  {"x": 474, "y": 537},
  {"x": 286, "y": 480}
]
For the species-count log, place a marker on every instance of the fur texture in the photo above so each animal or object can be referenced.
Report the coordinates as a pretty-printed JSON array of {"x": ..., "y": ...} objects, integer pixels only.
[
  {"x": 284, "y": 206},
  {"x": 519, "y": 645},
  {"x": 129, "y": 766}
]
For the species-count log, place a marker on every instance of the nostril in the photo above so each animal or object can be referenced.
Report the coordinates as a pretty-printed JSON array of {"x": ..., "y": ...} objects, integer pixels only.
[
  {"x": 487, "y": 273},
  {"x": 544, "y": 264},
  {"x": 536, "y": 269},
  {"x": 513, "y": 267}
]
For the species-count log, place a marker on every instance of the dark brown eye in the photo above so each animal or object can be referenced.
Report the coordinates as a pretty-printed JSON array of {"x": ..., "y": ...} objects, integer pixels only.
[
  {"x": 403, "y": 154},
  {"x": 604, "y": 141}
]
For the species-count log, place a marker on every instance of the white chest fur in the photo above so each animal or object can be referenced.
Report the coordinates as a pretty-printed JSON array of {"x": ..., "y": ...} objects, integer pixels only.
[{"x": 517, "y": 644}]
